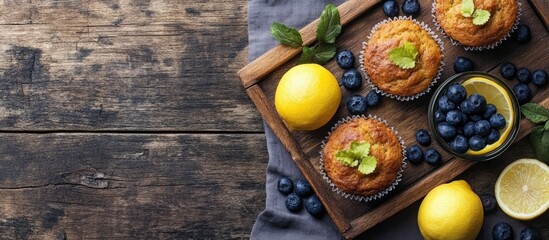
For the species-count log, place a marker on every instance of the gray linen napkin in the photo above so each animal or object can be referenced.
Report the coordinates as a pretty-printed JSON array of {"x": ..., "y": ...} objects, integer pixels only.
[{"x": 276, "y": 222}]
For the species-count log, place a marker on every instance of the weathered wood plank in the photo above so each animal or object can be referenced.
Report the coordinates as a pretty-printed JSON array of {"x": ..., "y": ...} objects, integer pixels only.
[
  {"x": 124, "y": 65},
  {"x": 105, "y": 186}
]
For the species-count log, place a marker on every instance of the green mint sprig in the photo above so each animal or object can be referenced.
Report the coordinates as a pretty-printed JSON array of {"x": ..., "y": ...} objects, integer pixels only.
[
  {"x": 358, "y": 155},
  {"x": 539, "y": 137},
  {"x": 404, "y": 56},
  {"x": 480, "y": 16},
  {"x": 328, "y": 29}
]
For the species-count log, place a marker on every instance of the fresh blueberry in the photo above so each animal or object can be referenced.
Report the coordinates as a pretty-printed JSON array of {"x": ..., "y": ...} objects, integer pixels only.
[
  {"x": 477, "y": 103},
  {"x": 445, "y": 105},
  {"x": 489, "y": 111},
  {"x": 439, "y": 116},
  {"x": 411, "y": 8},
  {"x": 465, "y": 107},
  {"x": 423, "y": 137},
  {"x": 432, "y": 156},
  {"x": 469, "y": 129},
  {"x": 464, "y": 118},
  {"x": 489, "y": 202},
  {"x": 415, "y": 154},
  {"x": 373, "y": 98},
  {"x": 314, "y": 206},
  {"x": 285, "y": 185},
  {"x": 456, "y": 93},
  {"x": 522, "y": 92},
  {"x": 493, "y": 136},
  {"x": 463, "y": 64},
  {"x": 539, "y": 78},
  {"x": 530, "y": 233},
  {"x": 482, "y": 127},
  {"x": 454, "y": 117},
  {"x": 475, "y": 118},
  {"x": 356, "y": 104},
  {"x": 507, "y": 70},
  {"x": 497, "y": 121},
  {"x": 524, "y": 75},
  {"x": 303, "y": 188},
  {"x": 293, "y": 202},
  {"x": 345, "y": 59},
  {"x": 352, "y": 79},
  {"x": 460, "y": 144},
  {"x": 522, "y": 34},
  {"x": 502, "y": 231},
  {"x": 446, "y": 131},
  {"x": 390, "y": 8},
  {"x": 477, "y": 143}
]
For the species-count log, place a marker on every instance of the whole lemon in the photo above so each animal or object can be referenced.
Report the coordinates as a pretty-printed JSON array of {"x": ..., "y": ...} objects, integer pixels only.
[
  {"x": 307, "y": 97},
  {"x": 451, "y": 211}
]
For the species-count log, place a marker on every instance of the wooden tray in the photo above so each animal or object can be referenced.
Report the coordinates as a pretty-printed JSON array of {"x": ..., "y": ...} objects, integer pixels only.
[{"x": 352, "y": 218}]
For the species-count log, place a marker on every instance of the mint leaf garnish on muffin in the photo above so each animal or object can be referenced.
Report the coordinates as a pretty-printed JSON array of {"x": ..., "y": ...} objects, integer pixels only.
[
  {"x": 358, "y": 155},
  {"x": 480, "y": 16},
  {"x": 467, "y": 8},
  {"x": 404, "y": 56},
  {"x": 328, "y": 29}
]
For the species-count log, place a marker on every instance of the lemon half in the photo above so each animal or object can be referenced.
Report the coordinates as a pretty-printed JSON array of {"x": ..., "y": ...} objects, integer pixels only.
[
  {"x": 497, "y": 95},
  {"x": 522, "y": 189}
]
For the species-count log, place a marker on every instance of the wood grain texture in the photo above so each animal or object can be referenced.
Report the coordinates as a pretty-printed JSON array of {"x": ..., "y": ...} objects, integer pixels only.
[
  {"x": 130, "y": 186},
  {"x": 162, "y": 65},
  {"x": 406, "y": 117}
]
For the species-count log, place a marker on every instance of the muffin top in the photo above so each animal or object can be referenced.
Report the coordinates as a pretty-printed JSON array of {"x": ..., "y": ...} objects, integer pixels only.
[
  {"x": 503, "y": 14},
  {"x": 385, "y": 74},
  {"x": 384, "y": 146}
]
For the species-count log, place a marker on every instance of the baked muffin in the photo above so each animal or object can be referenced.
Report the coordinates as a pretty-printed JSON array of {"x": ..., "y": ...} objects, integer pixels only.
[
  {"x": 460, "y": 28},
  {"x": 384, "y": 146},
  {"x": 392, "y": 79}
]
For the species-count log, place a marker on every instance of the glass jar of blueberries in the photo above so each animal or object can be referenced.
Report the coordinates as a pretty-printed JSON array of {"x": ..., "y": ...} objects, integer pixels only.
[{"x": 468, "y": 126}]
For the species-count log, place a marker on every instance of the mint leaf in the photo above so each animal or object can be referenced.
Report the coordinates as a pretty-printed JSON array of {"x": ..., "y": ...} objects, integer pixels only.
[
  {"x": 367, "y": 165},
  {"x": 467, "y": 8},
  {"x": 329, "y": 25},
  {"x": 307, "y": 56},
  {"x": 286, "y": 35},
  {"x": 547, "y": 126},
  {"x": 347, "y": 158},
  {"x": 480, "y": 17},
  {"x": 320, "y": 54},
  {"x": 535, "y": 112},
  {"x": 360, "y": 148},
  {"x": 404, "y": 56},
  {"x": 539, "y": 138}
]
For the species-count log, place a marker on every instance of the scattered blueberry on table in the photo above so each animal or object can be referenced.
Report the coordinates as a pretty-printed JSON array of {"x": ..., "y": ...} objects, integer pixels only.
[
  {"x": 314, "y": 206},
  {"x": 373, "y": 98},
  {"x": 303, "y": 188},
  {"x": 285, "y": 185},
  {"x": 432, "y": 156},
  {"x": 390, "y": 8},
  {"x": 463, "y": 64},
  {"x": 508, "y": 70},
  {"x": 423, "y": 137},
  {"x": 352, "y": 79},
  {"x": 345, "y": 59},
  {"x": 411, "y": 8},
  {"x": 293, "y": 202},
  {"x": 415, "y": 154},
  {"x": 522, "y": 34},
  {"x": 539, "y": 78},
  {"x": 502, "y": 231},
  {"x": 522, "y": 92},
  {"x": 530, "y": 233},
  {"x": 357, "y": 104},
  {"x": 489, "y": 202},
  {"x": 523, "y": 75}
]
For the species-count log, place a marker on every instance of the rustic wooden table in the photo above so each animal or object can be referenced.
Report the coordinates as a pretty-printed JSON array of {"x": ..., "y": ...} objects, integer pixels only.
[{"x": 125, "y": 120}]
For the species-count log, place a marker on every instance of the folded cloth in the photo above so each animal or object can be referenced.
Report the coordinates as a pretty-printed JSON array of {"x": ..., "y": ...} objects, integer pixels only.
[{"x": 276, "y": 222}]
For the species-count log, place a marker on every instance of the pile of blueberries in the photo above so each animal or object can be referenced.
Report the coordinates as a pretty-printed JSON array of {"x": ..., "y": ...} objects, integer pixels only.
[
  {"x": 524, "y": 76},
  {"x": 296, "y": 193},
  {"x": 467, "y": 122},
  {"x": 352, "y": 80},
  {"x": 409, "y": 8}
]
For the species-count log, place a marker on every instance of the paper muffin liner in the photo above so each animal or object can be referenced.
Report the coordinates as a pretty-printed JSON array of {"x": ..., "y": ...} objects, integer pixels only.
[
  {"x": 431, "y": 33},
  {"x": 360, "y": 197},
  {"x": 480, "y": 48}
]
